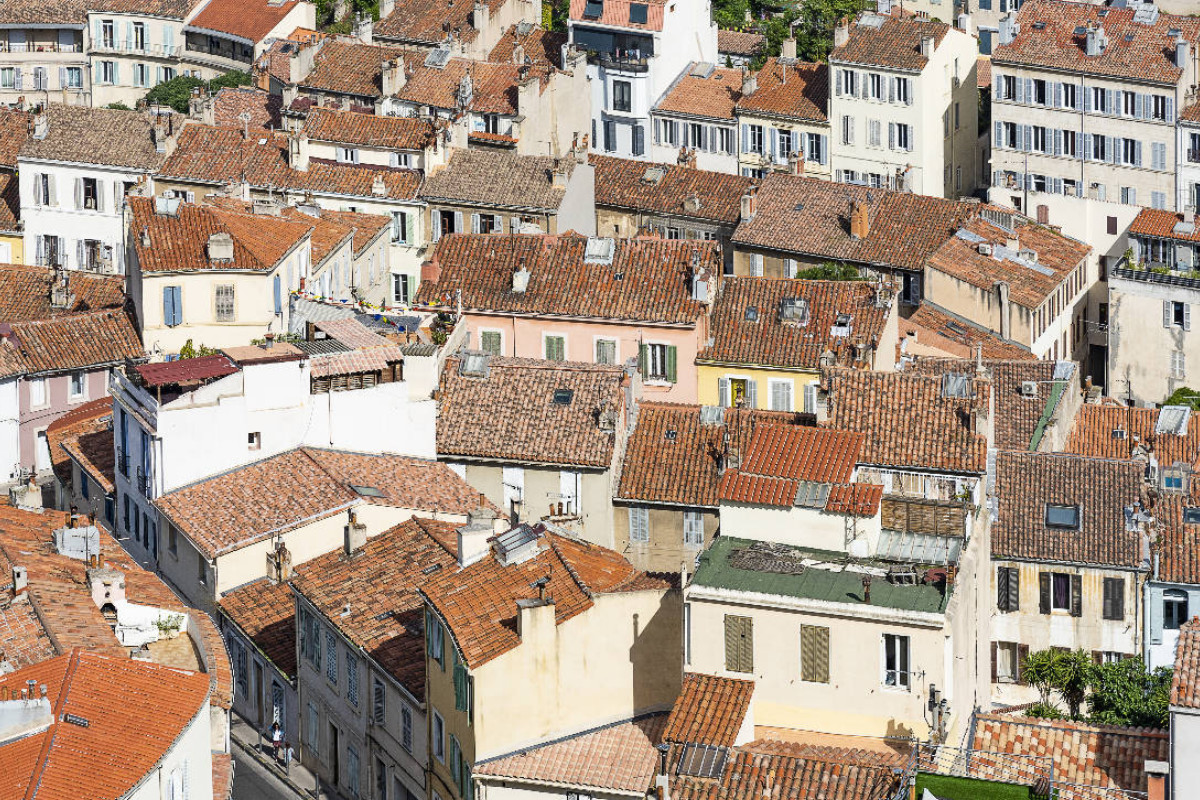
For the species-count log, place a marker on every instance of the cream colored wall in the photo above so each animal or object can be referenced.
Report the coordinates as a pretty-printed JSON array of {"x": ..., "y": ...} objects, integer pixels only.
[
  {"x": 799, "y": 128},
  {"x": 666, "y": 551},
  {"x": 709, "y": 377},
  {"x": 975, "y": 304},
  {"x": 554, "y": 116},
  {"x": 1140, "y": 348},
  {"x": 802, "y": 527},
  {"x": 16, "y": 245}
]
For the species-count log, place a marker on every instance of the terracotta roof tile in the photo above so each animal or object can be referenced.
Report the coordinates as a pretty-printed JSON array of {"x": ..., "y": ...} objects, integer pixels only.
[
  {"x": 888, "y": 40},
  {"x": 855, "y": 499},
  {"x": 769, "y": 340},
  {"x": 377, "y": 359},
  {"x": 494, "y": 86},
  {"x": 425, "y": 22},
  {"x": 1112, "y": 431},
  {"x": 80, "y": 685},
  {"x": 511, "y": 413},
  {"x": 811, "y": 217},
  {"x": 623, "y": 183},
  {"x": 1185, "y": 683},
  {"x": 740, "y": 43},
  {"x": 10, "y": 202},
  {"x": 77, "y": 341},
  {"x": 368, "y": 130},
  {"x": 188, "y": 370},
  {"x": 14, "y": 130},
  {"x": 479, "y": 602},
  {"x": 264, "y": 109},
  {"x": 1047, "y": 39},
  {"x": 25, "y": 292},
  {"x": 379, "y": 586},
  {"x": 85, "y": 135},
  {"x": 1027, "y": 482},
  {"x": 936, "y": 327},
  {"x": 701, "y": 93},
  {"x": 543, "y": 48},
  {"x": 654, "y": 283},
  {"x": 39, "y": 12},
  {"x": 498, "y": 178},
  {"x": 781, "y": 457},
  {"x": 23, "y": 640},
  {"x": 673, "y": 457},
  {"x": 621, "y": 757},
  {"x": 249, "y": 21},
  {"x": 795, "y": 91},
  {"x": 1029, "y": 285},
  {"x": 172, "y": 9},
  {"x": 350, "y": 67},
  {"x": 84, "y": 436},
  {"x": 277, "y": 494},
  {"x": 884, "y": 406},
  {"x": 709, "y": 710},
  {"x": 266, "y": 614},
  {"x": 617, "y": 13},
  {"x": 1161, "y": 223},
  {"x": 1085, "y": 756},
  {"x": 983, "y": 72}
]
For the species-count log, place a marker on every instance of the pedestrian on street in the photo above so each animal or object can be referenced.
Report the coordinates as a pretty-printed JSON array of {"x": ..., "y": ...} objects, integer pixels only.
[
  {"x": 277, "y": 740},
  {"x": 288, "y": 755}
]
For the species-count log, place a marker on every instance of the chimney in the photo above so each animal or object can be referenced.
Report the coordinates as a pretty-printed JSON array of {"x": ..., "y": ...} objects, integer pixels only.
[
  {"x": 473, "y": 537},
  {"x": 41, "y": 125},
  {"x": 749, "y": 202},
  {"x": 268, "y": 341},
  {"x": 535, "y": 620},
  {"x": 927, "y": 46},
  {"x": 662, "y": 781},
  {"x": 279, "y": 563},
  {"x": 393, "y": 77},
  {"x": 220, "y": 247},
  {"x": 841, "y": 34},
  {"x": 355, "y": 535},
  {"x": 479, "y": 17},
  {"x": 866, "y": 586},
  {"x": 518, "y": 54},
  {"x": 20, "y": 581},
  {"x": 1094, "y": 42},
  {"x": 1189, "y": 215},
  {"x": 1008, "y": 28},
  {"x": 749, "y": 82},
  {"x": 386, "y": 7},
  {"x": 1005, "y": 310},
  {"x": 364, "y": 28},
  {"x": 964, "y": 23},
  {"x": 298, "y": 151},
  {"x": 860, "y": 220},
  {"x": 1181, "y": 52},
  {"x": 789, "y": 48},
  {"x": 1156, "y": 779},
  {"x": 520, "y": 279},
  {"x": 379, "y": 187},
  {"x": 160, "y": 134}
]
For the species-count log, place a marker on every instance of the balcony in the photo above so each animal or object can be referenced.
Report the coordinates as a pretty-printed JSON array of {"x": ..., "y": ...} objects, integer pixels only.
[
  {"x": 122, "y": 462},
  {"x": 1156, "y": 273},
  {"x": 35, "y": 47},
  {"x": 131, "y": 48},
  {"x": 143, "y": 483},
  {"x": 619, "y": 61}
]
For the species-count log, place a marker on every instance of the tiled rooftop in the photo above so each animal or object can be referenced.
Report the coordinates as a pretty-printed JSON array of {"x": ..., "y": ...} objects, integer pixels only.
[
  {"x": 246, "y": 20},
  {"x": 1101, "y": 489},
  {"x": 343, "y": 66},
  {"x": 740, "y": 43},
  {"x": 648, "y": 280},
  {"x": 10, "y": 202},
  {"x": 80, "y": 134},
  {"x": 425, "y": 22},
  {"x": 25, "y": 292},
  {"x": 1049, "y": 39},
  {"x": 884, "y": 405},
  {"x": 764, "y": 337},
  {"x": 185, "y": 371},
  {"x": 889, "y": 40},
  {"x": 14, "y": 130},
  {"x": 1185, "y": 683},
  {"x": 479, "y": 602},
  {"x": 709, "y": 710},
  {"x": 84, "y": 436},
  {"x": 494, "y": 86},
  {"x": 1162, "y": 224},
  {"x": 368, "y": 130},
  {"x": 781, "y": 457},
  {"x": 669, "y": 189},
  {"x": 265, "y": 110},
  {"x": 1120, "y": 431},
  {"x": 231, "y": 510},
  {"x": 39, "y": 12},
  {"x": 703, "y": 91},
  {"x": 619, "y": 757},
  {"x": 498, "y": 178},
  {"x": 791, "y": 90},
  {"x": 512, "y": 412},
  {"x": 617, "y": 13},
  {"x": 266, "y": 614},
  {"x": 957, "y": 336},
  {"x": 77, "y": 341},
  {"x": 112, "y": 694},
  {"x": 23, "y": 640},
  {"x": 543, "y": 48}
]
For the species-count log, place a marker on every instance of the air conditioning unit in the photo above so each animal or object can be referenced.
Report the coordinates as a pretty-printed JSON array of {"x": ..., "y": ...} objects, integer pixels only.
[{"x": 1029, "y": 388}]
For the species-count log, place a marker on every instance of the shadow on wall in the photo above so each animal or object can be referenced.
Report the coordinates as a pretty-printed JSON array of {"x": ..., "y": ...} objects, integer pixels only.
[{"x": 657, "y": 654}]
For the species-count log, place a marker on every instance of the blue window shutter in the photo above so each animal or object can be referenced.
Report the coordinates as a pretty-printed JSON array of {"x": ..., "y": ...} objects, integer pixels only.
[
  {"x": 278, "y": 296},
  {"x": 824, "y": 149},
  {"x": 1170, "y": 109},
  {"x": 177, "y": 302},
  {"x": 998, "y": 141},
  {"x": 168, "y": 307},
  {"x": 745, "y": 138}
]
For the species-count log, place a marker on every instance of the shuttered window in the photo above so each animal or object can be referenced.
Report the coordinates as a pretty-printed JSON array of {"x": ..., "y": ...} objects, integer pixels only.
[
  {"x": 378, "y": 702},
  {"x": 693, "y": 528},
  {"x": 172, "y": 306},
  {"x": 1114, "y": 598},
  {"x": 739, "y": 643},
  {"x": 224, "y": 301},
  {"x": 556, "y": 348},
  {"x": 352, "y": 679},
  {"x": 814, "y": 653},
  {"x": 1008, "y": 589},
  {"x": 331, "y": 657},
  {"x": 639, "y": 525},
  {"x": 461, "y": 689},
  {"x": 490, "y": 342}
]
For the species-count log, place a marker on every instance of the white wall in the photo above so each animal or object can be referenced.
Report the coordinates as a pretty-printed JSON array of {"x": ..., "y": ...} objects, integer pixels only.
[
  {"x": 191, "y": 753},
  {"x": 802, "y": 527},
  {"x": 1185, "y": 743},
  {"x": 10, "y": 427}
]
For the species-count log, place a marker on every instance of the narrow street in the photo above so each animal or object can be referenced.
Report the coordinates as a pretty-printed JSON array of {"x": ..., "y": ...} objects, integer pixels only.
[{"x": 252, "y": 781}]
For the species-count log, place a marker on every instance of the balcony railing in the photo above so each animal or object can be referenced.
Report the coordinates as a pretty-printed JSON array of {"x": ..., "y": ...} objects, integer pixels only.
[
  {"x": 620, "y": 61},
  {"x": 143, "y": 482},
  {"x": 160, "y": 50},
  {"x": 33, "y": 47},
  {"x": 122, "y": 462}
]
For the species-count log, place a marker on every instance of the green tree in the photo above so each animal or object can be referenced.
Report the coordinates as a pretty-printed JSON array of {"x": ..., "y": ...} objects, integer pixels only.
[
  {"x": 815, "y": 25},
  {"x": 1062, "y": 673},
  {"x": 176, "y": 93},
  {"x": 189, "y": 350},
  {"x": 118, "y": 106},
  {"x": 229, "y": 80},
  {"x": 1183, "y": 396},
  {"x": 1125, "y": 692},
  {"x": 1038, "y": 671},
  {"x": 831, "y": 271}
]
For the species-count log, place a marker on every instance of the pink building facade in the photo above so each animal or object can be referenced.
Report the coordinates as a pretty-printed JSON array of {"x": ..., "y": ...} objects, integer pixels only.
[{"x": 43, "y": 399}]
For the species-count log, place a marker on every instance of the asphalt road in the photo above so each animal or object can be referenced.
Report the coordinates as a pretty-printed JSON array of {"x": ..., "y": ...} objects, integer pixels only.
[{"x": 252, "y": 781}]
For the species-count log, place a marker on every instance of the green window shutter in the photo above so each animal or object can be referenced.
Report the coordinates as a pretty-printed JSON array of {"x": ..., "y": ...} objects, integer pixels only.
[
  {"x": 814, "y": 653},
  {"x": 460, "y": 684},
  {"x": 428, "y": 632},
  {"x": 739, "y": 643},
  {"x": 671, "y": 363},
  {"x": 643, "y": 359},
  {"x": 1044, "y": 592}
]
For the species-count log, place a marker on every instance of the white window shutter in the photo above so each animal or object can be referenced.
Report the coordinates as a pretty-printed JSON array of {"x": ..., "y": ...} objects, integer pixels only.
[
  {"x": 1187, "y": 316},
  {"x": 751, "y": 393},
  {"x": 474, "y": 223},
  {"x": 722, "y": 385},
  {"x": 458, "y": 222},
  {"x": 435, "y": 219},
  {"x": 810, "y": 397},
  {"x": 1166, "y": 313}
]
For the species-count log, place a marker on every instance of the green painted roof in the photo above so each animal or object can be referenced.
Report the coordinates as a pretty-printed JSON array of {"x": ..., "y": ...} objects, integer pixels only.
[{"x": 716, "y": 572}]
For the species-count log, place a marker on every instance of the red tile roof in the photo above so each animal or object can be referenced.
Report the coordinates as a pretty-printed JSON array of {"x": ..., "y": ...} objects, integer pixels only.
[
  {"x": 543, "y": 48},
  {"x": 740, "y": 43},
  {"x": 883, "y": 406},
  {"x": 771, "y": 341},
  {"x": 617, "y": 13},
  {"x": 936, "y": 327},
  {"x": 10, "y": 202},
  {"x": 494, "y": 86},
  {"x": 620, "y": 757},
  {"x": 669, "y": 189},
  {"x": 1118, "y": 431},
  {"x": 425, "y": 22},
  {"x": 187, "y": 370},
  {"x": 1177, "y": 546},
  {"x": 343, "y": 66},
  {"x": 369, "y": 130},
  {"x": 511, "y": 413},
  {"x": 889, "y": 40},
  {"x": 703, "y": 91},
  {"x": 1134, "y": 50},
  {"x": 250, "y": 21},
  {"x": 794, "y": 91},
  {"x": 1161, "y": 223},
  {"x": 1084, "y": 756},
  {"x": 14, "y": 130},
  {"x": 247, "y": 504},
  {"x": 80, "y": 685},
  {"x": 379, "y": 587},
  {"x": 781, "y": 457},
  {"x": 77, "y": 341},
  {"x": 25, "y": 292},
  {"x": 84, "y": 435},
  {"x": 1027, "y": 482},
  {"x": 983, "y": 72},
  {"x": 709, "y": 710},
  {"x": 855, "y": 499},
  {"x": 674, "y": 457},
  {"x": 23, "y": 640},
  {"x": 1185, "y": 683},
  {"x": 107, "y": 136},
  {"x": 653, "y": 285},
  {"x": 479, "y": 602},
  {"x": 499, "y": 179},
  {"x": 265, "y": 110},
  {"x": 266, "y": 613}
]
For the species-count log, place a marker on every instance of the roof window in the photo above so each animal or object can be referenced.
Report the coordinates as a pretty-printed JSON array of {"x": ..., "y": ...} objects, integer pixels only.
[
  {"x": 1191, "y": 515},
  {"x": 366, "y": 491},
  {"x": 474, "y": 365},
  {"x": 751, "y": 314},
  {"x": 957, "y": 384},
  {"x": 671, "y": 435},
  {"x": 812, "y": 494},
  {"x": 638, "y": 13},
  {"x": 1062, "y": 516},
  {"x": 599, "y": 250},
  {"x": 562, "y": 397},
  {"x": 1119, "y": 433},
  {"x": 841, "y": 325},
  {"x": 793, "y": 309},
  {"x": 654, "y": 174},
  {"x": 1173, "y": 420},
  {"x": 702, "y": 760},
  {"x": 593, "y": 9}
]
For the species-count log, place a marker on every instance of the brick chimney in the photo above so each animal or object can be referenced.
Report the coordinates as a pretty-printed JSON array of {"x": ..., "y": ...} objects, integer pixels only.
[
  {"x": 860, "y": 220},
  {"x": 431, "y": 270},
  {"x": 1156, "y": 779}
]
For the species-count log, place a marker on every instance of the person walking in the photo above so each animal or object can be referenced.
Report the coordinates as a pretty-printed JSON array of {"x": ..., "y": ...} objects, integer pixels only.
[
  {"x": 277, "y": 740},
  {"x": 288, "y": 755}
]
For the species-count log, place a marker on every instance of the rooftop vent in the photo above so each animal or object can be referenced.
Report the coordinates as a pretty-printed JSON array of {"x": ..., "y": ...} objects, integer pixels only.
[
  {"x": 671, "y": 435},
  {"x": 562, "y": 397},
  {"x": 985, "y": 249},
  {"x": 793, "y": 310},
  {"x": 956, "y": 384},
  {"x": 599, "y": 250},
  {"x": 220, "y": 247},
  {"x": 516, "y": 545},
  {"x": 474, "y": 365}
]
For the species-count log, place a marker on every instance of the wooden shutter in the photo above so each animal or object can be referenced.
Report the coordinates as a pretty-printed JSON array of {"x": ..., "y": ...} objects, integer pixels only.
[
  {"x": 377, "y": 699},
  {"x": 1076, "y": 596},
  {"x": 1022, "y": 654},
  {"x": 1002, "y": 599},
  {"x": 1043, "y": 592},
  {"x": 1114, "y": 598},
  {"x": 814, "y": 653},
  {"x": 995, "y": 659},
  {"x": 672, "y": 366},
  {"x": 1014, "y": 589},
  {"x": 739, "y": 643}
]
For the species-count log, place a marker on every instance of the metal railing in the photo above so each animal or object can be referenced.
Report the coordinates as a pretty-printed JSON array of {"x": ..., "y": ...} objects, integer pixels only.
[{"x": 131, "y": 47}]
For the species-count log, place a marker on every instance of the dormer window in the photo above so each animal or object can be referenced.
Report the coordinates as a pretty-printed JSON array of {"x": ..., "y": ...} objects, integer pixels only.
[
  {"x": 1118, "y": 433},
  {"x": 593, "y": 9},
  {"x": 562, "y": 397},
  {"x": 1062, "y": 516},
  {"x": 841, "y": 325},
  {"x": 794, "y": 310},
  {"x": 638, "y": 13}
]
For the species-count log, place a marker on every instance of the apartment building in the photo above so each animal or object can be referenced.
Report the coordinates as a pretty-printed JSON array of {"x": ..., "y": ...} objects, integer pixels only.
[
  {"x": 635, "y": 51},
  {"x": 903, "y": 105},
  {"x": 43, "y": 53},
  {"x": 783, "y": 114},
  {"x": 694, "y": 122},
  {"x": 1104, "y": 87},
  {"x": 1187, "y": 162}
]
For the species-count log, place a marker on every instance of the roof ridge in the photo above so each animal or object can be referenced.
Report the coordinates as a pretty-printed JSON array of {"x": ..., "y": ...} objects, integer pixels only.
[
  {"x": 63, "y": 691},
  {"x": 550, "y": 537}
]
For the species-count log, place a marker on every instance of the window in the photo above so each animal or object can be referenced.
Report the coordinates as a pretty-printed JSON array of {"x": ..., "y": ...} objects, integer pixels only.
[
  {"x": 895, "y": 661},
  {"x": 903, "y": 137},
  {"x": 107, "y": 71},
  {"x": 434, "y": 639},
  {"x": 1070, "y": 96},
  {"x": 1178, "y": 365},
  {"x": 847, "y": 129},
  {"x": 1175, "y": 609},
  {"x": 352, "y": 770},
  {"x": 399, "y": 227},
  {"x": 73, "y": 78},
  {"x": 874, "y": 135},
  {"x": 1158, "y": 107},
  {"x": 639, "y": 524},
  {"x": 875, "y": 86},
  {"x": 1129, "y": 104},
  {"x": 1070, "y": 146},
  {"x": 725, "y": 140},
  {"x": 814, "y": 653},
  {"x": 848, "y": 82},
  {"x": 639, "y": 140},
  {"x": 78, "y": 385},
  {"x": 8, "y": 77},
  {"x": 1176, "y": 314},
  {"x": 903, "y": 91},
  {"x": 957, "y": 116},
  {"x": 491, "y": 342},
  {"x": 693, "y": 528},
  {"x": 347, "y": 155},
  {"x": 622, "y": 95},
  {"x": 223, "y": 300},
  {"x": 406, "y": 727},
  {"x": 1007, "y": 657},
  {"x": 1099, "y": 100},
  {"x": 1131, "y": 152},
  {"x": 37, "y": 392},
  {"x": 1008, "y": 589},
  {"x": 1062, "y": 516},
  {"x": 400, "y": 289},
  {"x": 555, "y": 348},
  {"x": 781, "y": 394},
  {"x": 1060, "y": 591},
  {"x": 254, "y": 440},
  {"x": 755, "y": 144},
  {"x": 173, "y": 539},
  {"x": 670, "y": 132},
  {"x": 638, "y": 13},
  {"x": 201, "y": 567},
  {"x": 1039, "y": 139},
  {"x": 815, "y": 151},
  {"x": 1008, "y": 88},
  {"x": 352, "y": 679},
  {"x": 141, "y": 75},
  {"x": 658, "y": 362},
  {"x": 331, "y": 657},
  {"x": 739, "y": 643},
  {"x": 696, "y": 136},
  {"x": 107, "y": 33},
  {"x": 378, "y": 702},
  {"x": 1114, "y": 598},
  {"x": 606, "y": 351},
  {"x": 439, "y": 737},
  {"x": 1008, "y": 135},
  {"x": 314, "y": 727},
  {"x": 491, "y": 123},
  {"x": 380, "y": 780}
]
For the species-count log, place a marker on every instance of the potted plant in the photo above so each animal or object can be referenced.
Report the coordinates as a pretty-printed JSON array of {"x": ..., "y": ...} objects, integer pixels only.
[{"x": 169, "y": 625}]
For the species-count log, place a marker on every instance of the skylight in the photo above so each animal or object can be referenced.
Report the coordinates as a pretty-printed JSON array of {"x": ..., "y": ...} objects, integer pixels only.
[
  {"x": 1062, "y": 516},
  {"x": 599, "y": 250},
  {"x": 751, "y": 314},
  {"x": 1191, "y": 515},
  {"x": 367, "y": 491},
  {"x": 793, "y": 309},
  {"x": 562, "y": 397},
  {"x": 702, "y": 760},
  {"x": 637, "y": 13}
]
